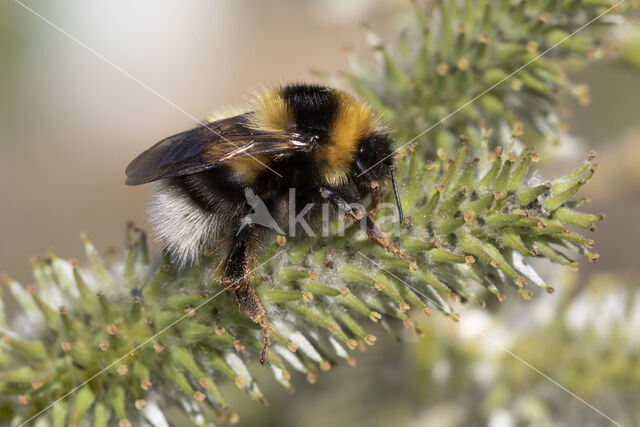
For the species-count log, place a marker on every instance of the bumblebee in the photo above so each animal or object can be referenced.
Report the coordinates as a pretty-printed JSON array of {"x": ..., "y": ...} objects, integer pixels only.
[{"x": 320, "y": 141}]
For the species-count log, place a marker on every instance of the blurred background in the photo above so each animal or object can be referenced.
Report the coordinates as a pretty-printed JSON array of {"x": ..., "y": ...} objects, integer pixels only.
[{"x": 70, "y": 123}]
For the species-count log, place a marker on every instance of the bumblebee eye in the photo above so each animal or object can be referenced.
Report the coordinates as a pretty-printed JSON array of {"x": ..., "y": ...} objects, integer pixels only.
[{"x": 374, "y": 155}]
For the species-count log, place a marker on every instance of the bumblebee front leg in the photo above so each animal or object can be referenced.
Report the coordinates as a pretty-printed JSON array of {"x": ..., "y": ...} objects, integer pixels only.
[
  {"x": 236, "y": 270},
  {"x": 352, "y": 209},
  {"x": 376, "y": 235},
  {"x": 354, "y": 212},
  {"x": 376, "y": 198}
]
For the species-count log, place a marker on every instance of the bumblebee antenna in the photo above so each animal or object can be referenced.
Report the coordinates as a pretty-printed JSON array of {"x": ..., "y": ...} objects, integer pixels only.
[{"x": 395, "y": 191}]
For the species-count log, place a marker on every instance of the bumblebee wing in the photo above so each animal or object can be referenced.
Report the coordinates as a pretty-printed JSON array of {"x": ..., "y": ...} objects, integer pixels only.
[{"x": 207, "y": 146}]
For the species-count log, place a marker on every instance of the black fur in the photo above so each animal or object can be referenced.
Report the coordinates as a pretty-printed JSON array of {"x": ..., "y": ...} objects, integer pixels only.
[
  {"x": 313, "y": 107},
  {"x": 206, "y": 189},
  {"x": 369, "y": 164}
]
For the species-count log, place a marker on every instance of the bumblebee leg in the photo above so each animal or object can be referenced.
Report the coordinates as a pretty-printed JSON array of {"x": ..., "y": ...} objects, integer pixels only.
[
  {"x": 376, "y": 235},
  {"x": 236, "y": 274},
  {"x": 352, "y": 209},
  {"x": 354, "y": 212},
  {"x": 376, "y": 198}
]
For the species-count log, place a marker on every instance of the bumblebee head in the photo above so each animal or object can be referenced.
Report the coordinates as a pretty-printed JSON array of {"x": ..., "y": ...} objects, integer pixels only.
[{"x": 374, "y": 161}]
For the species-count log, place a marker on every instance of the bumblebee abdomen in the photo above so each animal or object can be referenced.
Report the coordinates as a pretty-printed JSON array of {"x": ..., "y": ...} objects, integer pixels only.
[{"x": 191, "y": 213}]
